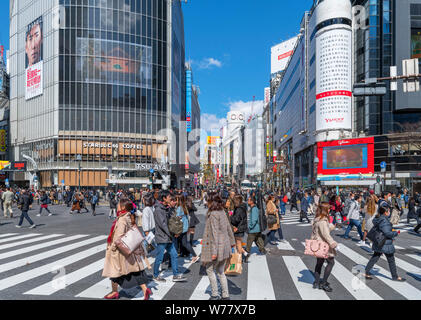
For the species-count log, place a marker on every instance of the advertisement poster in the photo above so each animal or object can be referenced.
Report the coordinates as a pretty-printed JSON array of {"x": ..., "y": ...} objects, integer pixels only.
[
  {"x": 114, "y": 62},
  {"x": 3, "y": 140},
  {"x": 281, "y": 54},
  {"x": 334, "y": 84},
  {"x": 342, "y": 157},
  {"x": 416, "y": 44},
  {"x": 34, "y": 59}
]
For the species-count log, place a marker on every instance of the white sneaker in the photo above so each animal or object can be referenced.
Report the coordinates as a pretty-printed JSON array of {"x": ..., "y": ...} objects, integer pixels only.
[
  {"x": 18, "y": 226},
  {"x": 50, "y": 214},
  {"x": 33, "y": 226},
  {"x": 38, "y": 215},
  {"x": 361, "y": 242}
]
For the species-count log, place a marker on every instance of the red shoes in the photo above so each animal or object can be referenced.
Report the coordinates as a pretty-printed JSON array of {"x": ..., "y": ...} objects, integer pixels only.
[
  {"x": 148, "y": 294},
  {"x": 114, "y": 296}
]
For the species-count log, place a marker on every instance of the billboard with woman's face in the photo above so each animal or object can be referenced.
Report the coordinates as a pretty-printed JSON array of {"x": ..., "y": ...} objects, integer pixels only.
[{"x": 34, "y": 59}]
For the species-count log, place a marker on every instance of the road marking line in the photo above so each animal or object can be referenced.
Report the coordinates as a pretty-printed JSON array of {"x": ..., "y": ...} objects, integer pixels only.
[
  {"x": 259, "y": 281},
  {"x": 303, "y": 279},
  {"x": 416, "y": 271},
  {"x": 15, "y": 244},
  {"x": 403, "y": 288},
  {"x": 347, "y": 278},
  {"x": 417, "y": 248},
  {"x": 285, "y": 246},
  {"x": 7, "y": 235},
  {"x": 28, "y": 260},
  {"x": 414, "y": 256},
  {"x": 34, "y": 273},
  {"x": 202, "y": 290},
  {"x": 48, "y": 288},
  {"x": 20, "y": 237}
]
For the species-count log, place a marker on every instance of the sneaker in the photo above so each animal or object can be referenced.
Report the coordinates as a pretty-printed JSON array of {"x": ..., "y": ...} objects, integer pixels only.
[
  {"x": 38, "y": 215},
  {"x": 326, "y": 287},
  {"x": 361, "y": 242},
  {"x": 316, "y": 285},
  {"x": 195, "y": 259},
  {"x": 159, "y": 279},
  {"x": 33, "y": 226},
  {"x": 179, "y": 278},
  {"x": 50, "y": 214},
  {"x": 19, "y": 227}
]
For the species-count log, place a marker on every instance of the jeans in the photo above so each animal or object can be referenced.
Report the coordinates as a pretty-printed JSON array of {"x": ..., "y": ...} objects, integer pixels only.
[
  {"x": 46, "y": 208},
  {"x": 357, "y": 223},
  {"x": 390, "y": 260},
  {"x": 186, "y": 244},
  {"x": 25, "y": 215},
  {"x": 219, "y": 268},
  {"x": 170, "y": 248},
  {"x": 283, "y": 208}
]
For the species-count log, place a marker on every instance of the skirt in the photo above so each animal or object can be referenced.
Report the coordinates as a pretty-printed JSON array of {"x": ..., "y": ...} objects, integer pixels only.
[{"x": 132, "y": 280}]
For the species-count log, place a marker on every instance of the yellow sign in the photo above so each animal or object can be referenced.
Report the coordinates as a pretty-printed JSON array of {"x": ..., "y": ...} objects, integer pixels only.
[
  {"x": 3, "y": 140},
  {"x": 4, "y": 164},
  {"x": 212, "y": 140}
]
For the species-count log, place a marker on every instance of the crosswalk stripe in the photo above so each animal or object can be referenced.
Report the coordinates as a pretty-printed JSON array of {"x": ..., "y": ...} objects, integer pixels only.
[
  {"x": 259, "y": 282},
  {"x": 102, "y": 288},
  {"x": 163, "y": 288},
  {"x": 34, "y": 273},
  {"x": 285, "y": 246},
  {"x": 415, "y": 271},
  {"x": 351, "y": 283},
  {"x": 398, "y": 248},
  {"x": 68, "y": 279},
  {"x": 403, "y": 288},
  {"x": 202, "y": 290},
  {"x": 7, "y": 235},
  {"x": 414, "y": 256},
  {"x": 48, "y": 254},
  {"x": 303, "y": 279},
  {"x": 20, "y": 243},
  {"x": 288, "y": 223},
  {"x": 20, "y": 237},
  {"x": 417, "y": 248}
]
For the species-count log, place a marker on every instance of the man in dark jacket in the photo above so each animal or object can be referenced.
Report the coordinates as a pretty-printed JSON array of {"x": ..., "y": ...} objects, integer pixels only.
[
  {"x": 24, "y": 203},
  {"x": 305, "y": 204},
  {"x": 294, "y": 201},
  {"x": 165, "y": 241}
]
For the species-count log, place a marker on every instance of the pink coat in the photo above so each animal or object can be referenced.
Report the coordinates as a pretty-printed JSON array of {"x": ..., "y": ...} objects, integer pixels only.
[{"x": 116, "y": 264}]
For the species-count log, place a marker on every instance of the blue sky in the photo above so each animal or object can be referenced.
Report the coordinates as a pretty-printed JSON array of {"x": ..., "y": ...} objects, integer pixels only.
[{"x": 229, "y": 44}]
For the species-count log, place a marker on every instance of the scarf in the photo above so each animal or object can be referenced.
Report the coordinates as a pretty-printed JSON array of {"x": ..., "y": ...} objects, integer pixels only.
[{"x": 110, "y": 236}]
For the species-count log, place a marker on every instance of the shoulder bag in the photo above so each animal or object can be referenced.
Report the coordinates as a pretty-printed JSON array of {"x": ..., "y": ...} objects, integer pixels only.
[
  {"x": 317, "y": 248},
  {"x": 130, "y": 241},
  {"x": 378, "y": 238}
]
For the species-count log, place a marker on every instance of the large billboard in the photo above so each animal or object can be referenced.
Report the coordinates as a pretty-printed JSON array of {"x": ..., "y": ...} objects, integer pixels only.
[
  {"x": 114, "y": 62},
  {"x": 34, "y": 59},
  {"x": 281, "y": 54},
  {"x": 416, "y": 44},
  {"x": 344, "y": 157},
  {"x": 334, "y": 80}
]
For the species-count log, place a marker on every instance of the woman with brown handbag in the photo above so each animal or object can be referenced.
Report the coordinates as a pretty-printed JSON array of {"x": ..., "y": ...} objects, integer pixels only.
[
  {"x": 272, "y": 210},
  {"x": 126, "y": 271}
]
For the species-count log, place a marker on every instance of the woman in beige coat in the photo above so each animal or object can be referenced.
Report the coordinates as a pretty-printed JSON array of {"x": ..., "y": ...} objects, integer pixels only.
[
  {"x": 321, "y": 232},
  {"x": 271, "y": 209},
  {"x": 218, "y": 241},
  {"x": 126, "y": 272}
]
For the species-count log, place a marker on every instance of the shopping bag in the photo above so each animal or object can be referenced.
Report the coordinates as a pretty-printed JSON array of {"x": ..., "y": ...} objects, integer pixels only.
[{"x": 234, "y": 265}]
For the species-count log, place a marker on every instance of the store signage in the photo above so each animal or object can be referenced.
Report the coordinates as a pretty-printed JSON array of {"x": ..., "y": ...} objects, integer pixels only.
[
  {"x": 3, "y": 141},
  {"x": 150, "y": 166},
  {"x": 113, "y": 145}
]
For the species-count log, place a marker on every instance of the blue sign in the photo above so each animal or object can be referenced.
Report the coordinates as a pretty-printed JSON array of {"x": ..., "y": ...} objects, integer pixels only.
[
  {"x": 383, "y": 165},
  {"x": 7, "y": 180},
  {"x": 152, "y": 171},
  {"x": 62, "y": 182}
]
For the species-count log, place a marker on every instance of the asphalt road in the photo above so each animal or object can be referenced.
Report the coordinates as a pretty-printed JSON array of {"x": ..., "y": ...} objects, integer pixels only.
[{"x": 75, "y": 244}]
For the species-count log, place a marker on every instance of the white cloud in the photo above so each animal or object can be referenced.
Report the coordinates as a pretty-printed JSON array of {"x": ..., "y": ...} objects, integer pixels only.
[
  {"x": 210, "y": 126},
  {"x": 246, "y": 107},
  {"x": 208, "y": 63}
]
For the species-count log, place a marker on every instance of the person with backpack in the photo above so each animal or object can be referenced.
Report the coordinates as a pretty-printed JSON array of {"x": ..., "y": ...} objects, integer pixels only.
[
  {"x": 94, "y": 202},
  {"x": 45, "y": 201},
  {"x": 383, "y": 226},
  {"x": 24, "y": 203},
  {"x": 371, "y": 210},
  {"x": 183, "y": 212},
  {"x": 354, "y": 219},
  {"x": 254, "y": 227},
  {"x": 166, "y": 241},
  {"x": 305, "y": 205}
]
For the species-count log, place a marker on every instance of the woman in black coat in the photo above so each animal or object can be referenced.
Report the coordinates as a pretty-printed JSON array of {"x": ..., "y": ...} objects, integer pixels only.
[
  {"x": 239, "y": 223},
  {"x": 194, "y": 221},
  {"x": 411, "y": 211},
  {"x": 382, "y": 223}
]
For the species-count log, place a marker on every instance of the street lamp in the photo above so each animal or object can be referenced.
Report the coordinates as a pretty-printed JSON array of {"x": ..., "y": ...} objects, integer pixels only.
[
  {"x": 316, "y": 162},
  {"x": 79, "y": 160}
]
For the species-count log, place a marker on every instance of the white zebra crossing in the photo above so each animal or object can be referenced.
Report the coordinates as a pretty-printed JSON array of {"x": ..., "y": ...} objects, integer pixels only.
[
  {"x": 260, "y": 285},
  {"x": 20, "y": 243},
  {"x": 29, "y": 260},
  {"x": 19, "y": 237},
  {"x": 7, "y": 235}
]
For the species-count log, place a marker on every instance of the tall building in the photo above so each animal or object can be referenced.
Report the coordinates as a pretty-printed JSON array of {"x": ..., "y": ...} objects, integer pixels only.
[
  {"x": 387, "y": 32},
  {"x": 98, "y": 85}
]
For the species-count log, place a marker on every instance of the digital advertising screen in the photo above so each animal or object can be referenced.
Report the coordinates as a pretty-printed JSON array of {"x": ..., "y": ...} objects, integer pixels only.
[
  {"x": 114, "y": 62},
  {"x": 34, "y": 59},
  {"x": 354, "y": 156},
  {"x": 416, "y": 43}
]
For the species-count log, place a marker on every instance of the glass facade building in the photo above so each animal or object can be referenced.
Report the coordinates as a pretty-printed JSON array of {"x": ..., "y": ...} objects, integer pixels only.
[{"x": 112, "y": 84}]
